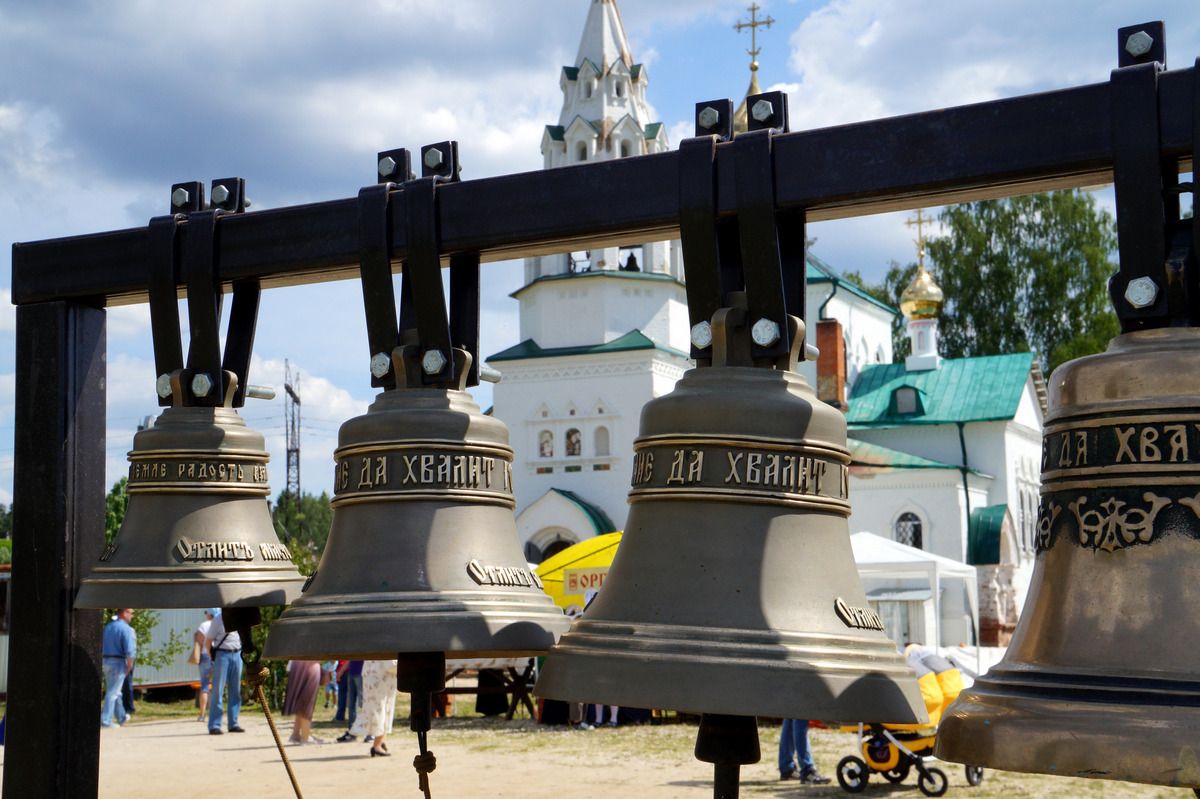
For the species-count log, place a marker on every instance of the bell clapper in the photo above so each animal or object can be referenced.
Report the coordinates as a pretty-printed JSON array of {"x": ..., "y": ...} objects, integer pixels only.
[
  {"x": 728, "y": 742},
  {"x": 243, "y": 620},
  {"x": 421, "y": 675}
]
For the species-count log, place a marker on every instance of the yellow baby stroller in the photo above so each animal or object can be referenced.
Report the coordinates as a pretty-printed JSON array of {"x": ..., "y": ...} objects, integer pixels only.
[{"x": 894, "y": 750}]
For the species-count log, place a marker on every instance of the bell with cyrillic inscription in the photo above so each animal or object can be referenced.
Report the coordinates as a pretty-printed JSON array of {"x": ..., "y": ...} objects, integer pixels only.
[
  {"x": 197, "y": 530},
  {"x": 1102, "y": 677},
  {"x": 423, "y": 553},
  {"x": 734, "y": 591}
]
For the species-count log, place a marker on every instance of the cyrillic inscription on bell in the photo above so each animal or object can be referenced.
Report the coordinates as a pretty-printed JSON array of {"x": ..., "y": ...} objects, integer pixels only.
[{"x": 1102, "y": 677}]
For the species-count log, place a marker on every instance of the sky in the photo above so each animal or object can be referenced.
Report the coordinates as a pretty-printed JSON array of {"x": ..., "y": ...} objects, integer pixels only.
[{"x": 104, "y": 105}]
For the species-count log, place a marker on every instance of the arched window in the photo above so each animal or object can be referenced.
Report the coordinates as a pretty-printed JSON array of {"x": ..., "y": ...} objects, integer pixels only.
[
  {"x": 626, "y": 150},
  {"x": 574, "y": 443},
  {"x": 620, "y": 88},
  {"x": 545, "y": 444},
  {"x": 587, "y": 88},
  {"x": 581, "y": 151},
  {"x": 601, "y": 437},
  {"x": 908, "y": 530}
]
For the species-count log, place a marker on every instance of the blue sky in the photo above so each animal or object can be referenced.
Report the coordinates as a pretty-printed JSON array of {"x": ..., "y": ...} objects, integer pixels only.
[{"x": 104, "y": 105}]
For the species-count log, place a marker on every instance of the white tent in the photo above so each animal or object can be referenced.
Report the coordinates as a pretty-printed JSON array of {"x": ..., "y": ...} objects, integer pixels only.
[{"x": 892, "y": 571}]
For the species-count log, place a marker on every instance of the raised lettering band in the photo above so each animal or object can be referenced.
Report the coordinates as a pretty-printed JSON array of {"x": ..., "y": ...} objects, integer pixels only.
[
  {"x": 215, "y": 471},
  {"x": 423, "y": 470},
  {"x": 801, "y": 474}
]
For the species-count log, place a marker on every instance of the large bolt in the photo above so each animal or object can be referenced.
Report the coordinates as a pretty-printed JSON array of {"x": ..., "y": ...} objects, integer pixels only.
[
  {"x": 765, "y": 332},
  {"x": 1138, "y": 44},
  {"x": 1141, "y": 292},
  {"x": 433, "y": 159},
  {"x": 219, "y": 193},
  {"x": 762, "y": 111},
  {"x": 163, "y": 385},
  {"x": 708, "y": 117},
  {"x": 701, "y": 335},
  {"x": 180, "y": 197},
  {"x": 201, "y": 384},
  {"x": 260, "y": 392},
  {"x": 380, "y": 363},
  {"x": 387, "y": 165},
  {"x": 433, "y": 362}
]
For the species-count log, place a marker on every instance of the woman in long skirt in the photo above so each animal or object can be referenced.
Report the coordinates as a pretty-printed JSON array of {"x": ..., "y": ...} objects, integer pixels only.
[
  {"x": 379, "y": 704},
  {"x": 303, "y": 678}
]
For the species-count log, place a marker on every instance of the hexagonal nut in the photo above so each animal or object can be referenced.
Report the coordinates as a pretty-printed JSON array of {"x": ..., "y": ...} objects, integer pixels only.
[
  {"x": 163, "y": 385},
  {"x": 433, "y": 362},
  {"x": 219, "y": 193},
  {"x": 387, "y": 165},
  {"x": 762, "y": 111},
  {"x": 701, "y": 335},
  {"x": 180, "y": 197},
  {"x": 433, "y": 158},
  {"x": 380, "y": 363},
  {"x": 202, "y": 384},
  {"x": 1141, "y": 292},
  {"x": 765, "y": 332},
  {"x": 1138, "y": 44},
  {"x": 708, "y": 118}
]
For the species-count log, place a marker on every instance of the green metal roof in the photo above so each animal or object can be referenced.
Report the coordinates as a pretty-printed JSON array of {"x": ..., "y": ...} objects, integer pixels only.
[
  {"x": 633, "y": 340},
  {"x": 635, "y": 71},
  {"x": 600, "y": 520},
  {"x": 597, "y": 274},
  {"x": 556, "y": 132},
  {"x": 572, "y": 73},
  {"x": 983, "y": 535},
  {"x": 864, "y": 453},
  {"x": 652, "y": 130},
  {"x": 817, "y": 271},
  {"x": 981, "y": 389}
]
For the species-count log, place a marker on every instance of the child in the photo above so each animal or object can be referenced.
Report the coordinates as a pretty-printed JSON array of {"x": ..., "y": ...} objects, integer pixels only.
[{"x": 329, "y": 680}]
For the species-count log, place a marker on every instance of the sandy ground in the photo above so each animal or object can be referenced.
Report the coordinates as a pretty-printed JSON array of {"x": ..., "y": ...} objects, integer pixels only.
[{"x": 484, "y": 758}]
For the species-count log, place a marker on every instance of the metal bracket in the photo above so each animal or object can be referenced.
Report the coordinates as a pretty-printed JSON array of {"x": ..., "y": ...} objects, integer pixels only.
[
  {"x": 375, "y": 269},
  {"x": 698, "y": 234},
  {"x": 229, "y": 195},
  {"x": 163, "y": 246}
]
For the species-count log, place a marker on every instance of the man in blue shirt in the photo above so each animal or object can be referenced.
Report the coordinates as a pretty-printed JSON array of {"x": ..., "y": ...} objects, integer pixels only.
[{"x": 120, "y": 648}]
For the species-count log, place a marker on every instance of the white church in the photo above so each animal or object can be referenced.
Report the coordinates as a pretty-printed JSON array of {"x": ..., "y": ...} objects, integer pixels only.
[{"x": 945, "y": 452}]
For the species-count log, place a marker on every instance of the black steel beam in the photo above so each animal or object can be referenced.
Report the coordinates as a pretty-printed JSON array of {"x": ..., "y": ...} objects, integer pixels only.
[
  {"x": 53, "y": 748},
  {"x": 1036, "y": 142}
]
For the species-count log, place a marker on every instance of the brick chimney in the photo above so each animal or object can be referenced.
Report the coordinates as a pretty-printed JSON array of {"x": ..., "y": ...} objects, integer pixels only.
[{"x": 831, "y": 363}]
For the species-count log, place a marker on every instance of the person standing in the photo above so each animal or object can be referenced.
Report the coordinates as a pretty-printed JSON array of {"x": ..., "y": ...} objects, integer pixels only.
[
  {"x": 119, "y": 650},
  {"x": 301, "y": 699},
  {"x": 227, "y": 671},
  {"x": 205, "y": 664},
  {"x": 352, "y": 670},
  {"x": 379, "y": 705},
  {"x": 794, "y": 750}
]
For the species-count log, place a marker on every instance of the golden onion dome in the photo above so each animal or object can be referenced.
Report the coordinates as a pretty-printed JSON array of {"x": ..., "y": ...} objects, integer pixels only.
[{"x": 923, "y": 298}]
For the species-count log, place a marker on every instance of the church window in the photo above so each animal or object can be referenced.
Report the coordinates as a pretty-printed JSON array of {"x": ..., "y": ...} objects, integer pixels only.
[
  {"x": 574, "y": 443},
  {"x": 601, "y": 439},
  {"x": 581, "y": 152},
  {"x": 908, "y": 530},
  {"x": 906, "y": 400},
  {"x": 626, "y": 150},
  {"x": 620, "y": 88},
  {"x": 588, "y": 87},
  {"x": 545, "y": 444}
]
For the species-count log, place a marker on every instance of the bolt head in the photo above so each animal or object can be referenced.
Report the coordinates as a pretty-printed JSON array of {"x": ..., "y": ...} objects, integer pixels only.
[
  {"x": 709, "y": 117},
  {"x": 1141, "y": 292},
  {"x": 701, "y": 335},
  {"x": 1138, "y": 44},
  {"x": 180, "y": 197},
  {"x": 433, "y": 362},
  {"x": 433, "y": 158},
  {"x": 202, "y": 384},
  {"x": 765, "y": 332},
  {"x": 387, "y": 165},
  {"x": 163, "y": 385},
  {"x": 762, "y": 111},
  {"x": 220, "y": 194},
  {"x": 380, "y": 363}
]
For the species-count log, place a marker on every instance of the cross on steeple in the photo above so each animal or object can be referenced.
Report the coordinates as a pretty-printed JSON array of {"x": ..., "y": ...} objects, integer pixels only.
[
  {"x": 919, "y": 222},
  {"x": 754, "y": 24}
]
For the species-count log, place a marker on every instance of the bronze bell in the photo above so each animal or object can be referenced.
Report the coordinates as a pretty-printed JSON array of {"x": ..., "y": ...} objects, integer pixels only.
[
  {"x": 1101, "y": 678},
  {"x": 198, "y": 531},
  {"x": 734, "y": 591},
  {"x": 423, "y": 553}
]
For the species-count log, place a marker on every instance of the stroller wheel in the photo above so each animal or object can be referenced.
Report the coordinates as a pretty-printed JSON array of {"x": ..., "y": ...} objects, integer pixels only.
[
  {"x": 898, "y": 774},
  {"x": 933, "y": 782},
  {"x": 852, "y": 774},
  {"x": 974, "y": 775}
]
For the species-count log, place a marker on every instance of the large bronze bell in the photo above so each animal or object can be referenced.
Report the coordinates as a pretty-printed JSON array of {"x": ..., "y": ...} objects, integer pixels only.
[
  {"x": 423, "y": 553},
  {"x": 1102, "y": 678},
  {"x": 734, "y": 591},
  {"x": 197, "y": 532}
]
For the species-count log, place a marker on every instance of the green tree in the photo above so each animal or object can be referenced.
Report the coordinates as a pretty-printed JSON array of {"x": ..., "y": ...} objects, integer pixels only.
[
  {"x": 115, "y": 505},
  {"x": 1025, "y": 273},
  {"x": 303, "y": 523},
  {"x": 6, "y": 521},
  {"x": 889, "y": 290}
]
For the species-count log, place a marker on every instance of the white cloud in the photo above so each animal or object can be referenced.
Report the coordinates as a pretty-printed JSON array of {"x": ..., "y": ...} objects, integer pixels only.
[{"x": 8, "y": 312}]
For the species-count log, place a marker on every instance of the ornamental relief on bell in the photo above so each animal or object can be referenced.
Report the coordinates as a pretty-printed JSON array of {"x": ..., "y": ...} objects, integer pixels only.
[{"x": 1115, "y": 520}]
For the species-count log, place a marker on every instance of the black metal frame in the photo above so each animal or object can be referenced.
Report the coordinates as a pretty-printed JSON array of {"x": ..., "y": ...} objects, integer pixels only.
[{"x": 1071, "y": 137}]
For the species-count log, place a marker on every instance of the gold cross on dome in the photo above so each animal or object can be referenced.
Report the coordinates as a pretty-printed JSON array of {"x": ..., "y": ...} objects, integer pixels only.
[
  {"x": 754, "y": 24},
  {"x": 919, "y": 222}
]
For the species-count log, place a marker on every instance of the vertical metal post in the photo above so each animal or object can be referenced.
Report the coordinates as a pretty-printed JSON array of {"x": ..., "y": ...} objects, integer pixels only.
[{"x": 53, "y": 737}]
